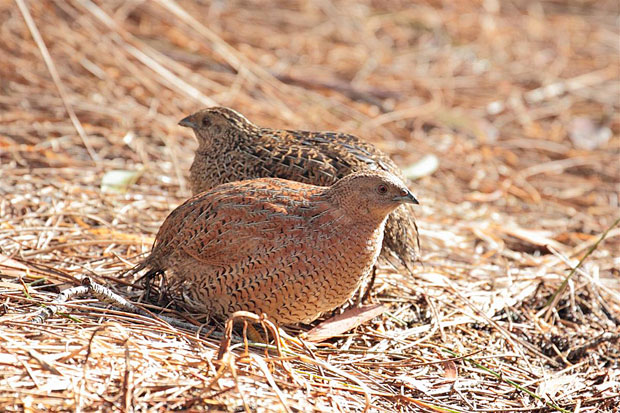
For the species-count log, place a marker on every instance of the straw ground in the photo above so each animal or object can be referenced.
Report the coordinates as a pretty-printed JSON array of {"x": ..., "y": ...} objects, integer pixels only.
[{"x": 518, "y": 101}]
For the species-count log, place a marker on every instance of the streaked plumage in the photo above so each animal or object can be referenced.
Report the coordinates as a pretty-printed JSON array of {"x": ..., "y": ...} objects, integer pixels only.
[
  {"x": 232, "y": 148},
  {"x": 285, "y": 248}
]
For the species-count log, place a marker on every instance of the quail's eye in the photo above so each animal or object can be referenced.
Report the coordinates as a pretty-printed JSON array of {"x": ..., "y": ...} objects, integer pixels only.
[
  {"x": 382, "y": 189},
  {"x": 206, "y": 122}
]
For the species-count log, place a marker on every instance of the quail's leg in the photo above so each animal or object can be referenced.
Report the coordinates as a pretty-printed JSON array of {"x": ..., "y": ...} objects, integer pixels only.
[{"x": 147, "y": 280}]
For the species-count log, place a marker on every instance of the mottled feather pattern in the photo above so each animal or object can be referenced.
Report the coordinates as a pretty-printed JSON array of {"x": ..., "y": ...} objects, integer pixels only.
[
  {"x": 285, "y": 248},
  {"x": 231, "y": 148}
]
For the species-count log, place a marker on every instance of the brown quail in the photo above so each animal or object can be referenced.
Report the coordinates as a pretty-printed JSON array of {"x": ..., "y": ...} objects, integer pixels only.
[
  {"x": 288, "y": 249},
  {"x": 231, "y": 148}
]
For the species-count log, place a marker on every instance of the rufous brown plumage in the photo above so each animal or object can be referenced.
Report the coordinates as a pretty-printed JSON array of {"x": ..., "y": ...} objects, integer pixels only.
[
  {"x": 284, "y": 248},
  {"x": 231, "y": 148}
]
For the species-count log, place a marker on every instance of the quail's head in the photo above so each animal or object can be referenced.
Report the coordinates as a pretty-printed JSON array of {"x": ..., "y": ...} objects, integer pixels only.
[
  {"x": 217, "y": 123},
  {"x": 371, "y": 195}
]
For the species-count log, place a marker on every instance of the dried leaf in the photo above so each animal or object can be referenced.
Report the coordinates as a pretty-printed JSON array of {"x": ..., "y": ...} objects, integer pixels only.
[
  {"x": 344, "y": 322},
  {"x": 536, "y": 237},
  {"x": 560, "y": 384},
  {"x": 118, "y": 180},
  {"x": 9, "y": 266},
  {"x": 450, "y": 370},
  {"x": 585, "y": 134},
  {"x": 424, "y": 167}
]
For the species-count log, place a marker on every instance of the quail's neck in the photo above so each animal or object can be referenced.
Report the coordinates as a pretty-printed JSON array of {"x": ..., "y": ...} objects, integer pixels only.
[
  {"x": 222, "y": 144},
  {"x": 358, "y": 214}
]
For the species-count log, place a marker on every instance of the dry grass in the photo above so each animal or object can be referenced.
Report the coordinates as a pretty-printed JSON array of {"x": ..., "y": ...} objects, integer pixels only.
[{"x": 519, "y": 101}]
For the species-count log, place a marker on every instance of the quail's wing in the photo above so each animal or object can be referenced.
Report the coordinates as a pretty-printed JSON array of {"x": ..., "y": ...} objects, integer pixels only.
[
  {"x": 237, "y": 221},
  {"x": 234, "y": 237},
  {"x": 349, "y": 147},
  {"x": 355, "y": 151},
  {"x": 320, "y": 158},
  {"x": 282, "y": 155}
]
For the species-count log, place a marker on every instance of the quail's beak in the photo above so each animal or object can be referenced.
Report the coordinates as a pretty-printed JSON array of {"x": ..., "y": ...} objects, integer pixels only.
[
  {"x": 188, "y": 122},
  {"x": 406, "y": 198}
]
